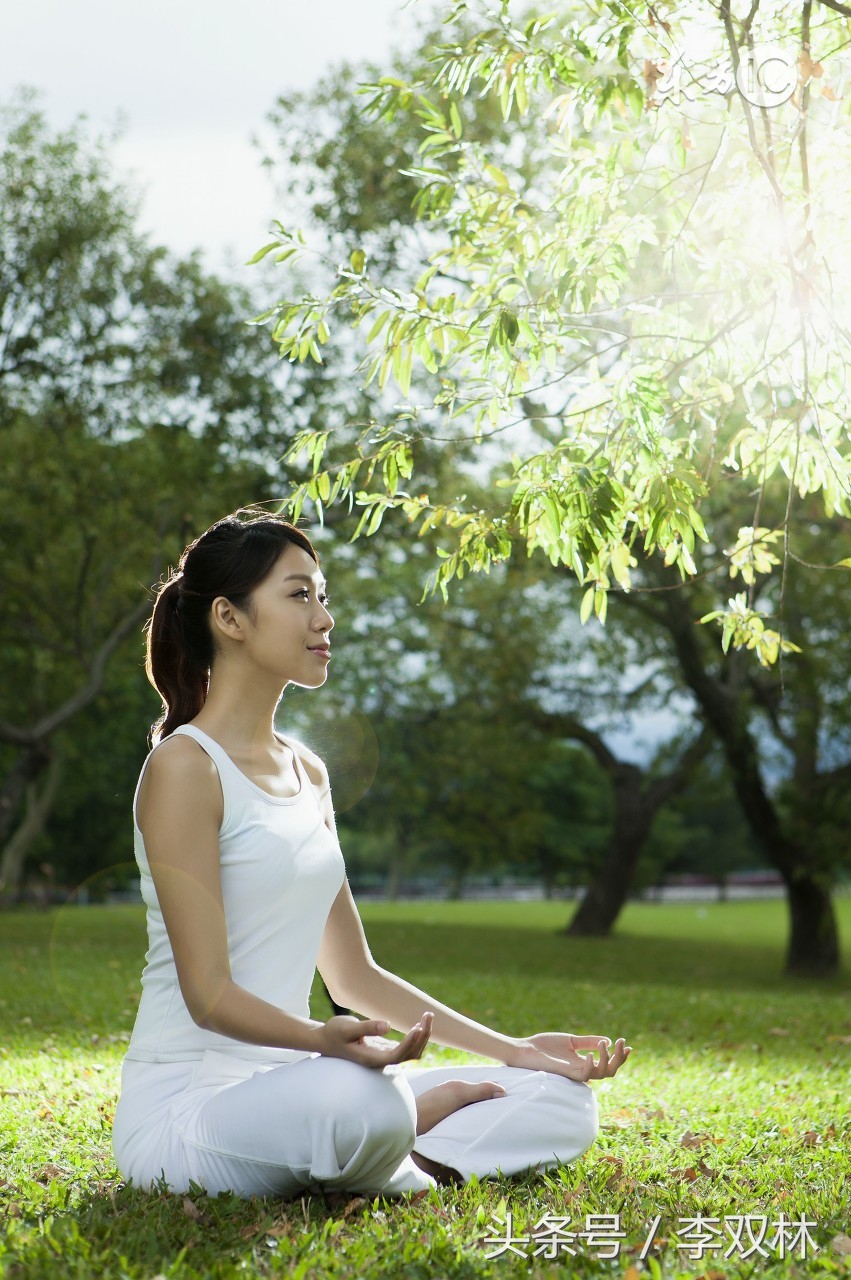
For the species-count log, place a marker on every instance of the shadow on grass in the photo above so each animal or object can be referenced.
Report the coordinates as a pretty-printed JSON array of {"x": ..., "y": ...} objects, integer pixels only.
[
  {"x": 624, "y": 958},
  {"x": 121, "y": 1230}
]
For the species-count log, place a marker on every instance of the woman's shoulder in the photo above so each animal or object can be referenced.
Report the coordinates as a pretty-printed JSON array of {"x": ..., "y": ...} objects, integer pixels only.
[
  {"x": 178, "y": 764},
  {"x": 180, "y": 750}
]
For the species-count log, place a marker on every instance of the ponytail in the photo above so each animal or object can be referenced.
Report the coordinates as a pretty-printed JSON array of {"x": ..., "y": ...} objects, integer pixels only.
[
  {"x": 230, "y": 559},
  {"x": 180, "y": 681}
]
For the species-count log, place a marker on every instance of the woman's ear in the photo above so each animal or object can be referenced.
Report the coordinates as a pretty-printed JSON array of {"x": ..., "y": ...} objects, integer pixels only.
[{"x": 226, "y": 620}]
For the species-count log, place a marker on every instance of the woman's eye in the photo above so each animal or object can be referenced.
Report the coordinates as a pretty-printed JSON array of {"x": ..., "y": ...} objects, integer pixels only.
[{"x": 305, "y": 594}]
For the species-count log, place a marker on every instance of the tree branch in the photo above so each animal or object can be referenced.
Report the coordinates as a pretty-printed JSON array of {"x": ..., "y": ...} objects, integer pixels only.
[
  {"x": 570, "y": 727},
  {"x": 84, "y": 695},
  {"x": 837, "y": 7},
  {"x": 661, "y": 789}
]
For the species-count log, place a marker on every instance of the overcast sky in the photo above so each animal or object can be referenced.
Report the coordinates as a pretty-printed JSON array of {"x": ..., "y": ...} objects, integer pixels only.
[{"x": 191, "y": 83}]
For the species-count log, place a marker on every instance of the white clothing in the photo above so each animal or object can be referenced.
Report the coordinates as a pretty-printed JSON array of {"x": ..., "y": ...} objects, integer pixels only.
[
  {"x": 199, "y": 1107},
  {"x": 334, "y": 1124},
  {"x": 281, "y": 870}
]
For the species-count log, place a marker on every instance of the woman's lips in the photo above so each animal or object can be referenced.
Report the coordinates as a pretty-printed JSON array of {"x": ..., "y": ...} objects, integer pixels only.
[{"x": 322, "y": 653}]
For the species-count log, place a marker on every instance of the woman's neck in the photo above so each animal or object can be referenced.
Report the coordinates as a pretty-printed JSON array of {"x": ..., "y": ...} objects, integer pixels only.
[{"x": 239, "y": 710}]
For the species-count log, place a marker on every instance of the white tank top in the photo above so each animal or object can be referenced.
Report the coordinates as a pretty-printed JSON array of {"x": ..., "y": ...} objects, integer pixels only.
[{"x": 281, "y": 869}]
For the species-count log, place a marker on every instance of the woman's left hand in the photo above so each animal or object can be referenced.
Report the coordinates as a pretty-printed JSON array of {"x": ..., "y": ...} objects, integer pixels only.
[{"x": 568, "y": 1055}]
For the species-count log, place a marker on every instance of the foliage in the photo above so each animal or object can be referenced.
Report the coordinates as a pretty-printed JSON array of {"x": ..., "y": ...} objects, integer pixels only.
[
  {"x": 622, "y": 305},
  {"x": 133, "y": 404},
  {"x": 733, "y": 1102},
  {"x": 460, "y": 777}
]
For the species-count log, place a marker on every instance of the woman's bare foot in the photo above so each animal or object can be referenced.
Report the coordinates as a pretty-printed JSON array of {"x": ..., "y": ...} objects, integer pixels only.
[{"x": 436, "y": 1104}]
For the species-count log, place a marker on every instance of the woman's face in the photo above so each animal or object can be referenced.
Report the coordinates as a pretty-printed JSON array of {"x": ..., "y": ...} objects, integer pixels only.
[{"x": 289, "y": 635}]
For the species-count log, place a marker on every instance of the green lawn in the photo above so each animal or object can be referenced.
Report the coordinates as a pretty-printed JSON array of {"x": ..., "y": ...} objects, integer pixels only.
[{"x": 735, "y": 1102}]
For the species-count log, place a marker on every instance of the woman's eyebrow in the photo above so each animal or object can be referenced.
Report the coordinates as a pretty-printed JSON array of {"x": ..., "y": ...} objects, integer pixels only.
[{"x": 303, "y": 577}]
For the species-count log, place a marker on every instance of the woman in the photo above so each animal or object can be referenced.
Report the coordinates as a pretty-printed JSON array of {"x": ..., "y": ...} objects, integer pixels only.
[{"x": 228, "y": 1082}]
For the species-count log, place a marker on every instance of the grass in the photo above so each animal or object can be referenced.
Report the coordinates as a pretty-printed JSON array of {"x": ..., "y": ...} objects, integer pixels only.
[{"x": 735, "y": 1102}]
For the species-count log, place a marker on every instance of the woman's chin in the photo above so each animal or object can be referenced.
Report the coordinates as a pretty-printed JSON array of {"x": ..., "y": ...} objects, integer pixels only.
[{"x": 315, "y": 683}]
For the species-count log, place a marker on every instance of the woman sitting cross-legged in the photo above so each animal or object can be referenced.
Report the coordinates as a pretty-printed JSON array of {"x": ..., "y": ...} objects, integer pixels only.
[{"x": 227, "y": 1081}]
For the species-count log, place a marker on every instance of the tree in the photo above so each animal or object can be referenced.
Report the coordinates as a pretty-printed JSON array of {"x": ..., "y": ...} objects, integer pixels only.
[
  {"x": 598, "y": 322},
  {"x": 133, "y": 398},
  {"x": 537, "y": 267},
  {"x": 472, "y": 700},
  {"x": 802, "y": 712}
]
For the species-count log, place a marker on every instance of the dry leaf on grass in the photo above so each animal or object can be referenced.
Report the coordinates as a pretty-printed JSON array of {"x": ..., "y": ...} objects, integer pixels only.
[
  {"x": 701, "y": 1169},
  {"x": 652, "y": 1113},
  {"x": 575, "y": 1194},
  {"x": 192, "y": 1211},
  {"x": 690, "y": 1139},
  {"x": 278, "y": 1229},
  {"x": 841, "y": 1244},
  {"x": 356, "y": 1204},
  {"x": 253, "y": 1229}
]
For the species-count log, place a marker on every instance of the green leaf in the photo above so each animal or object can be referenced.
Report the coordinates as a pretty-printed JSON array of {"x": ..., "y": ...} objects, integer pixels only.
[
  {"x": 261, "y": 253},
  {"x": 378, "y": 326},
  {"x": 499, "y": 178}
]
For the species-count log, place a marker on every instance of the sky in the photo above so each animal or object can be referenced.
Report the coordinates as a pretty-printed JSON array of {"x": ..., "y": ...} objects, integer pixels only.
[{"x": 189, "y": 83}]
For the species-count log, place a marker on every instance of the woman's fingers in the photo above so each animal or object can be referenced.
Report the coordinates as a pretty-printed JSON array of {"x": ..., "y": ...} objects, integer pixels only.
[
  {"x": 617, "y": 1058},
  {"x": 371, "y": 1027},
  {"x": 588, "y": 1042},
  {"x": 602, "y": 1060},
  {"x": 410, "y": 1046},
  {"x": 418, "y": 1037}
]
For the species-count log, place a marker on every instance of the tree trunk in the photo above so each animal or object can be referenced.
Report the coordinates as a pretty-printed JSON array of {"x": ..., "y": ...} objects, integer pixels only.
[
  {"x": 39, "y": 803},
  {"x": 813, "y": 948},
  {"x": 636, "y": 805},
  {"x": 32, "y": 760},
  {"x": 609, "y": 889}
]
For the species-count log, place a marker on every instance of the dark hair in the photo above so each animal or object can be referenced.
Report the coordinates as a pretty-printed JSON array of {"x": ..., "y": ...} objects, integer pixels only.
[{"x": 230, "y": 559}]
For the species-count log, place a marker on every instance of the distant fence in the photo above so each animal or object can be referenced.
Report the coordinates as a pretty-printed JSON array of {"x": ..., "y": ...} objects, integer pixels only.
[{"x": 740, "y": 886}]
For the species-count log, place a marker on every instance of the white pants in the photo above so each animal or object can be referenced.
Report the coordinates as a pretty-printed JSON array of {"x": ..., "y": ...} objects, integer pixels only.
[{"x": 229, "y": 1124}]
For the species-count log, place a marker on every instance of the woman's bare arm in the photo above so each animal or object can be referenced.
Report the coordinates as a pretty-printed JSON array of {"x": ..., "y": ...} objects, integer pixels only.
[
  {"x": 179, "y": 812},
  {"x": 354, "y": 979}
]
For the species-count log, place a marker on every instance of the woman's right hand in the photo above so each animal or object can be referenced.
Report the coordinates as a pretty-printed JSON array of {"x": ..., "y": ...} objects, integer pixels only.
[
  {"x": 359, "y": 1040},
  {"x": 560, "y": 1053}
]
